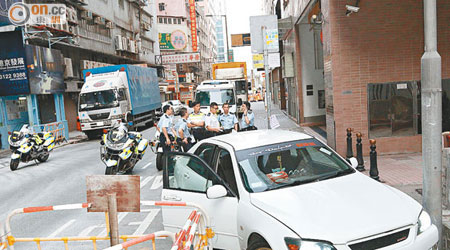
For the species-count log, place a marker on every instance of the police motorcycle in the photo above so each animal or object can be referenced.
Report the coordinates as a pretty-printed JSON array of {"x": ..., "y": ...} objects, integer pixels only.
[
  {"x": 120, "y": 150},
  {"x": 27, "y": 146}
]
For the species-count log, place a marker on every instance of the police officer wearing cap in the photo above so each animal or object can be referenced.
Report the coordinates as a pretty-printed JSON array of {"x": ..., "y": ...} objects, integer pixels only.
[
  {"x": 248, "y": 118},
  {"x": 212, "y": 123},
  {"x": 228, "y": 120},
  {"x": 184, "y": 135},
  {"x": 196, "y": 122},
  {"x": 165, "y": 126}
]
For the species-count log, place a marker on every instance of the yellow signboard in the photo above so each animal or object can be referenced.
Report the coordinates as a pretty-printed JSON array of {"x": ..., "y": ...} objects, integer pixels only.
[{"x": 258, "y": 61}]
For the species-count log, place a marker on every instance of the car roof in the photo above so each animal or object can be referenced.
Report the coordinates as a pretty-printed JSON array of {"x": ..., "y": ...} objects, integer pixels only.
[{"x": 257, "y": 138}]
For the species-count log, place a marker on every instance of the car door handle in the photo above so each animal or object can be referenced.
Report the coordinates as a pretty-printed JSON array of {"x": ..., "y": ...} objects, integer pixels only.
[
  {"x": 186, "y": 176},
  {"x": 171, "y": 198}
]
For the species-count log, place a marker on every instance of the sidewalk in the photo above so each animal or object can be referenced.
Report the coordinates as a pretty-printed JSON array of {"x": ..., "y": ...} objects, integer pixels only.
[{"x": 74, "y": 137}]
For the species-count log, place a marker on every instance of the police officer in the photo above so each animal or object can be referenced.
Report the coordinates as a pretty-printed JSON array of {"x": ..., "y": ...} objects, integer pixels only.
[
  {"x": 228, "y": 120},
  {"x": 196, "y": 122},
  {"x": 248, "y": 118},
  {"x": 184, "y": 135},
  {"x": 165, "y": 125},
  {"x": 212, "y": 123}
]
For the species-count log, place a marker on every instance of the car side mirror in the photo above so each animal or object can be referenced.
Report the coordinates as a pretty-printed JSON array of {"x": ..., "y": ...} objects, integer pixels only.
[
  {"x": 216, "y": 191},
  {"x": 353, "y": 162}
]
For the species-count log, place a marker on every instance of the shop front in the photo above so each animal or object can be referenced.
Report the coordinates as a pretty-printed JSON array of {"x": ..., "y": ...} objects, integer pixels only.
[{"x": 31, "y": 88}]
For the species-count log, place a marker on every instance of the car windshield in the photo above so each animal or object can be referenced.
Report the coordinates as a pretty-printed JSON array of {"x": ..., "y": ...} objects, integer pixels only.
[
  {"x": 98, "y": 100},
  {"x": 289, "y": 164},
  {"x": 219, "y": 96}
]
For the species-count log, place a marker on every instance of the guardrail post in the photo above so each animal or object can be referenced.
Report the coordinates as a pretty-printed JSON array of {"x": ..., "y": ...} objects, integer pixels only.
[
  {"x": 359, "y": 152},
  {"x": 113, "y": 220},
  {"x": 373, "y": 161},
  {"x": 349, "y": 144}
]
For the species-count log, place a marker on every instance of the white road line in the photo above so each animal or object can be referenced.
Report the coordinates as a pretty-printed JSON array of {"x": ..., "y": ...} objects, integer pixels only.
[
  {"x": 157, "y": 183},
  {"x": 134, "y": 223},
  {"x": 146, "y": 180},
  {"x": 147, "y": 221},
  {"x": 119, "y": 219},
  {"x": 88, "y": 230},
  {"x": 146, "y": 166},
  {"x": 59, "y": 230}
]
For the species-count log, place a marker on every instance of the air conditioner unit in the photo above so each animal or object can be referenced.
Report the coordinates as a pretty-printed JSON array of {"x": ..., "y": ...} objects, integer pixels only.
[
  {"x": 118, "y": 42},
  {"x": 109, "y": 24},
  {"x": 86, "y": 14},
  {"x": 99, "y": 20},
  {"x": 125, "y": 43},
  {"x": 73, "y": 30},
  {"x": 146, "y": 26},
  {"x": 68, "y": 71},
  {"x": 132, "y": 46}
]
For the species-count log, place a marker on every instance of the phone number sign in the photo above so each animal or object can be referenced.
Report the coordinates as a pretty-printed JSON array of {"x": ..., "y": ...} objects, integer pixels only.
[{"x": 13, "y": 70}]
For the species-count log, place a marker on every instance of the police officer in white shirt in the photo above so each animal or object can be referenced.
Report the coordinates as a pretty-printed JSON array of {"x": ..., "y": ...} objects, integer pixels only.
[
  {"x": 248, "y": 118},
  {"x": 196, "y": 122},
  {"x": 228, "y": 120},
  {"x": 212, "y": 123},
  {"x": 165, "y": 125}
]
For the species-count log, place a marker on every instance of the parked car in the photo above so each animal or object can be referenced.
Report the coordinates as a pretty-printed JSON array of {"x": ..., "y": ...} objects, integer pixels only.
[
  {"x": 274, "y": 189},
  {"x": 176, "y": 105}
]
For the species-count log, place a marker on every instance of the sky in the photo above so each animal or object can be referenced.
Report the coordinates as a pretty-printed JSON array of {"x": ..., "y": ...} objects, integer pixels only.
[{"x": 238, "y": 15}]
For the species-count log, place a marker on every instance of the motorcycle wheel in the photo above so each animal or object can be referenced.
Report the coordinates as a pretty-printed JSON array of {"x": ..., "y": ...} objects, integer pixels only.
[
  {"x": 14, "y": 164},
  {"x": 159, "y": 161},
  {"x": 111, "y": 171},
  {"x": 44, "y": 157}
]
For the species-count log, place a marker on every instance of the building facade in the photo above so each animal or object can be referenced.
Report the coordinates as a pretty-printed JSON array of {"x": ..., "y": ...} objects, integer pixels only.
[
  {"x": 97, "y": 33},
  {"x": 360, "y": 70}
]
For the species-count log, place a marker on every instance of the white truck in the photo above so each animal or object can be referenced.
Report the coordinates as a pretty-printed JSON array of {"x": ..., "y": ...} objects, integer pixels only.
[
  {"x": 115, "y": 92},
  {"x": 229, "y": 84}
]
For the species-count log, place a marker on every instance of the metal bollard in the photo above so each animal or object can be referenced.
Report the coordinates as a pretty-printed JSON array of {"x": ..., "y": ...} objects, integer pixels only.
[
  {"x": 359, "y": 153},
  {"x": 373, "y": 161},
  {"x": 349, "y": 144}
]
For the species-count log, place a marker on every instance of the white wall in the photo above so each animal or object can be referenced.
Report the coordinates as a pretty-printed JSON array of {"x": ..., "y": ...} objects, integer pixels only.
[{"x": 310, "y": 76}]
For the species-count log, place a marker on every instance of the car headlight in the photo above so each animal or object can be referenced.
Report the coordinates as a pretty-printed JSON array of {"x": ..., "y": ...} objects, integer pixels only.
[
  {"x": 424, "y": 222},
  {"x": 113, "y": 117},
  {"x": 300, "y": 244}
]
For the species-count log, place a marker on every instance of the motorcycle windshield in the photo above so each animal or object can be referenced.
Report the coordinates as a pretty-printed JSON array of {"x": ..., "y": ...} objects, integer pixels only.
[{"x": 117, "y": 136}]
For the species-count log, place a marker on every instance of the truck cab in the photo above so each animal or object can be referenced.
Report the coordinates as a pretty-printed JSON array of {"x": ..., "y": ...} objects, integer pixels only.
[
  {"x": 220, "y": 92},
  {"x": 103, "y": 100}
]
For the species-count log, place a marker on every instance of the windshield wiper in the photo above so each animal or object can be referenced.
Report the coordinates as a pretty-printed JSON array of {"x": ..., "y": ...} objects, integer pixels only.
[
  {"x": 337, "y": 174},
  {"x": 295, "y": 183}
]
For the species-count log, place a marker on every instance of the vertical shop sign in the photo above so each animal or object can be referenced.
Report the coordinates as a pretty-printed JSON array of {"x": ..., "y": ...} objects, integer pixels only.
[{"x": 193, "y": 17}]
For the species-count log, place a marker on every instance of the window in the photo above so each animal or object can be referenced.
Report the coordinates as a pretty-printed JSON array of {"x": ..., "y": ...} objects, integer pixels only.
[
  {"x": 189, "y": 173},
  {"x": 225, "y": 170},
  {"x": 179, "y": 21},
  {"x": 170, "y": 20},
  {"x": 122, "y": 4},
  {"x": 122, "y": 95},
  {"x": 289, "y": 164},
  {"x": 318, "y": 50},
  {"x": 205, "y": 152},
  {"x": 162, "y": 6},
  {"x": 160, "y": 20},
  {"x": 165, "y": 20},
  {"x": 393, "y": 109}
]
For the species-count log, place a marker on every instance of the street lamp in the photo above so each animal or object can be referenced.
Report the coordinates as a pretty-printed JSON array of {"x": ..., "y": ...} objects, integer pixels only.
[{"x": 226, "y": 33}]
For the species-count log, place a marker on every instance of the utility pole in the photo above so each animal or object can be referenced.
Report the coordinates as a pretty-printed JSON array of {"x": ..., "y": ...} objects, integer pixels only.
[
  {"x": 226, "y": 34},
  {"x": 266, "y": 72},
  {"x": 432, "y": 119}
]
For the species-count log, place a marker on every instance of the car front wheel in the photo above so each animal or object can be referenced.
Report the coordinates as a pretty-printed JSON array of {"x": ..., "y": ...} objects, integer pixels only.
[{"x": 259, "y": 245}]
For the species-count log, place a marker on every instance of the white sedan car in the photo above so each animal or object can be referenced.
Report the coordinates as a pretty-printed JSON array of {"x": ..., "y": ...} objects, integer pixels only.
[
  {"x": 176, "y": 105},
  {"x": 274, "y": 189}
]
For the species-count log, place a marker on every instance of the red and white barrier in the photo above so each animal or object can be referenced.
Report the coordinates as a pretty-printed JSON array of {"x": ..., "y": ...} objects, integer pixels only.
[
  {"x": 192, "y": 232},
  {"x": 184, "y": 231},
  {"x": 142, "y": 239}
]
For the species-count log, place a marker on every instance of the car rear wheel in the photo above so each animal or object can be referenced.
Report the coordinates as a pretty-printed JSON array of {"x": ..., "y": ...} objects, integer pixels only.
[{"x": 259, "y": 245}]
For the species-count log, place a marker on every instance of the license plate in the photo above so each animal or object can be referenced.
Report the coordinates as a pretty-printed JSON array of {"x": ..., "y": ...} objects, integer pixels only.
[
  {"x": 100, "y": 123},
  {"x": 160, "y": 150}
]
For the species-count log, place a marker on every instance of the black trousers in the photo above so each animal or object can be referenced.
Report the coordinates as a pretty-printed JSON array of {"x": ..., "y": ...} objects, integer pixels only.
[
  {"x": 199, "y": 133},
  {"x": 186, "y": 146},
  {"x": 162, "y": 142}
]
